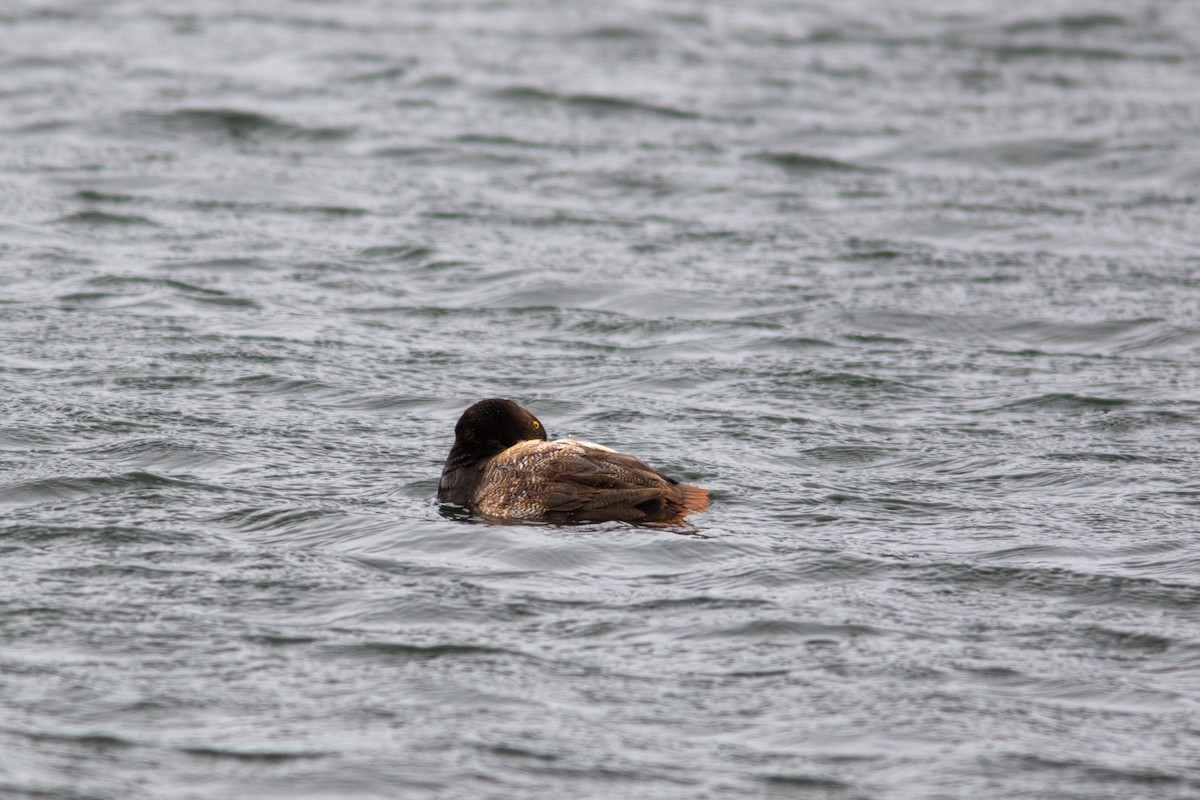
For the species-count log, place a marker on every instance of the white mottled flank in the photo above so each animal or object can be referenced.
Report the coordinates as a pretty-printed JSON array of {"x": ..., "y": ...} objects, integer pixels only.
[
  {"x": 582, "y": 443},
  {"x": 499, "y": 495}
]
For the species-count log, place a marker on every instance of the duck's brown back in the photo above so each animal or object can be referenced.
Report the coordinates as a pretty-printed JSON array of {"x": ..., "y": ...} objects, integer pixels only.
[{"x": 573, "y": 481}]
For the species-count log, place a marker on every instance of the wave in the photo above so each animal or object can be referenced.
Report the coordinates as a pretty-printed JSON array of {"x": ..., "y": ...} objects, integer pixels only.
[
  {"x": 806, "y": 163},
  {"x": 231, "y": 124},
  {"x": 1148, "y": 336},
  {"x": 133, "y": 291},
  {"x": 59, "y": 489},
  {"x": 600, "y": 104},
  {"x": 99, "y": 219}
]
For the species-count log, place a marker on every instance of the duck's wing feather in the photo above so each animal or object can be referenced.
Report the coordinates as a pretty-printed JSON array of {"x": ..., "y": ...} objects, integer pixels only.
[
  {"x": 591, "y": 482},
  {"x": 569, "y": 480}
]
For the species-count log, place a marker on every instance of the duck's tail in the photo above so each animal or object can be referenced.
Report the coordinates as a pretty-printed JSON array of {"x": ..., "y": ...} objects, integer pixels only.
[{"x": 694, "y": 498}]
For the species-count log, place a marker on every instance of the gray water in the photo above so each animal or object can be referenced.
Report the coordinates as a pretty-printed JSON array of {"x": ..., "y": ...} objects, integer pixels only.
[{"x": 913, "y": 288}]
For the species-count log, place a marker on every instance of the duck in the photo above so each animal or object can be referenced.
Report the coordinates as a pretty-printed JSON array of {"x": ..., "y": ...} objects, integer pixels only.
[{"x": 502, "y": 466}]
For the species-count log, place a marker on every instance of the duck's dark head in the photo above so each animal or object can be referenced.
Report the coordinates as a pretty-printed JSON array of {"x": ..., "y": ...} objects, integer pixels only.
[
  {"x": 492, "y": 426},
  {"x": 485, "y": 429}
]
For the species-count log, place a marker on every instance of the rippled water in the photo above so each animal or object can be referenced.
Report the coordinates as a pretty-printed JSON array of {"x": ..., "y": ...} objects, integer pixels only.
[{"x": 915, "y": 291}]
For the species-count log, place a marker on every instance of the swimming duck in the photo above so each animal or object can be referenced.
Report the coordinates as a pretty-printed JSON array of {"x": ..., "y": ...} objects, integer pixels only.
[{"x": 502, "y": 466}]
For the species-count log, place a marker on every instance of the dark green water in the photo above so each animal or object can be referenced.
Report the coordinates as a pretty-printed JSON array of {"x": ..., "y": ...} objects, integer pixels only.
[{"x": 915, "y": 292}]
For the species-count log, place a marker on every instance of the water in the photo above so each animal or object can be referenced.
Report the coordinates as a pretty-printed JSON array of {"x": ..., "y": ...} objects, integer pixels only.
[{"x": 913, "y": 290}]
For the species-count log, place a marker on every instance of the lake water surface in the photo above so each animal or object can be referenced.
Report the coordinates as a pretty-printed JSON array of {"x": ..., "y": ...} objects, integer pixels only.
[{"x": 913, "y": 288}]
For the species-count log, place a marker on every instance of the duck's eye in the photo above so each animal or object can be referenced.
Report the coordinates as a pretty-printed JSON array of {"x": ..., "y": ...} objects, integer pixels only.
[{"x": 536, "y": 424}]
